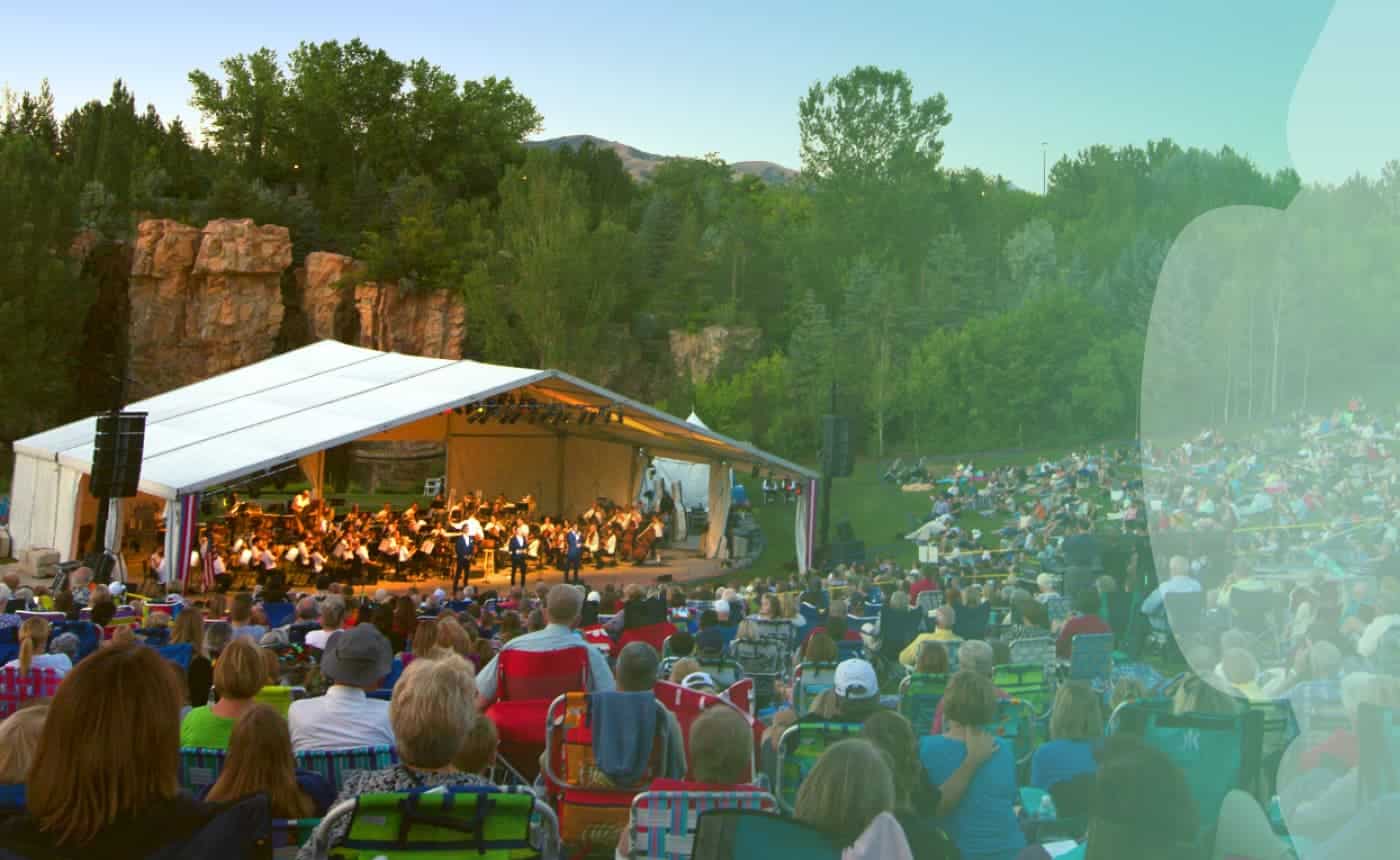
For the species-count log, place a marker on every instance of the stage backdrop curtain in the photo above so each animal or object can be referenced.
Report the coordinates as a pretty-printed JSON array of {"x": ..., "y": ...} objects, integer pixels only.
[
  {"x": 720, "y": 497},
  {"x": 314, "y": 467},
  {"x": 116, "y": 526}
]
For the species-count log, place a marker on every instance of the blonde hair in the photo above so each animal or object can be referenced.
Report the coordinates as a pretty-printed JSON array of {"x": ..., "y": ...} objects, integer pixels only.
[
  {"x": 189, "y": 629},
  {"x": 970, "y": 700},
  {"x": 683, "y": 667},
  {"x": 260, "y": 762},
  {"x": 788, "y": 601},
  {"x": 425, "y": 638},
  {"x": 932, "y": 658},
  {"x": 81, "y": 781},
  {"x": 850, "y": 785},
  {"x": 1197, "y": 696},
  {"x": 1076, "y": 715},
  {"x": 452, "y": 636},
  {"x": 432, "y": 709},
  {"x": 721, "y": 745},
  {"x": 19, "y": 739},
  {"x": 240, "y": 672},
  {"x": 33, "y": 638},
  {"x": 478, "y": 750}
]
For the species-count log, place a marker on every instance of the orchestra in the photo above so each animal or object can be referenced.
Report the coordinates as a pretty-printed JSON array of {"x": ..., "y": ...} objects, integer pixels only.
[{"x": 450, "y": 538}]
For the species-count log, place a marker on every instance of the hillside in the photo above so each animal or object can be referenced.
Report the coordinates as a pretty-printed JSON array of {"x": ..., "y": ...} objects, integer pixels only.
[{"x": 641, "y": 164}]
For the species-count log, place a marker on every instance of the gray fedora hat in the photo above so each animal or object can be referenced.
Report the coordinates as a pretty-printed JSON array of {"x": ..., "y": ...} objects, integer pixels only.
[{"x": 358, "y": 657}]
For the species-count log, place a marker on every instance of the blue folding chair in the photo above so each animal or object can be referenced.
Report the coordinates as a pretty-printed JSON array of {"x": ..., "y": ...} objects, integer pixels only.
[
  {"x": 279, "y": 614},
  {"x": 179, "y": 653}
]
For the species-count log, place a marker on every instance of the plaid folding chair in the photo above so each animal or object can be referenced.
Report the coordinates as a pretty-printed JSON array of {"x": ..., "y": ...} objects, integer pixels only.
[
  {"x": 200, "y": 768},
  {"x": 780, "y": 631},
  {"x": 811, "y": 680},
  {"x": 919, "y": 696},
  {"x": 593, "y": 810},
  {"x": 724, "y": 834},
  {"x": 289, "y": 834},
  {"x": 763, "y": 662},
  {"x": 1037, "y": 649},
  {"x": 1015, "y": 721},
  {"x": 484, "y": 822},
  {"x": 335, "y": 765},
  {"x": 17, "y": 688},
  {"x": 663, "y": 823},
  {"x": 725, "y": 670},
  {"x": 798, "y": 751},
  {"x": 1028, "y": 682}
]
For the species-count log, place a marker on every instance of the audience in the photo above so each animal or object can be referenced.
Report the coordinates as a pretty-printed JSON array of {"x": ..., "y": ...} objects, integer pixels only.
[
  {"x": 933, "y": 659},
  {"x": 199, "y": 675},
  {"x": 562, "y": 611},
  {"x": 240, "y": 616},
  {"x": 1076, "y": 730},
  {"x": 850, "y": 796},
  {"x": 355, "y": 661},
  {"x": 479, "y": 747},
  {"x": 19, "y": 740},
  {"x": 105, "y": 778},
  {"x": 983, "y": 822},
  {"x": 238, "y": 676},
  {"x": 432, "y": 710},
  {"x": 332, "y": 615},
  {"x": 1085, "y": 620},
  {"x": 636, "y": 673},
  {"x": 33, "y": 647},
  {"x": 260, "y": 761},
  {"x": 917, "y": 801},
  {"x": 944, "y": 618}
]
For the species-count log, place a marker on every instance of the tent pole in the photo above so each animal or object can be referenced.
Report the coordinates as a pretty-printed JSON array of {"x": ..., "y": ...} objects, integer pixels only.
[{"x": 561, "y": 475}]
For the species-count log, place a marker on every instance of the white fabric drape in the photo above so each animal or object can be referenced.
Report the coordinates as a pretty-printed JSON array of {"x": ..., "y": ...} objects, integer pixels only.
[
  {"x": 640, "y": 468},
  {"x": 116, "y": 526},
  {"x": 173, "y": 522},
  {"x": 802, "y": 533},
  {"x": 314, "y": 467},
  {"x": 719, "y": 509},
  {"x": 682, "y": 526}
]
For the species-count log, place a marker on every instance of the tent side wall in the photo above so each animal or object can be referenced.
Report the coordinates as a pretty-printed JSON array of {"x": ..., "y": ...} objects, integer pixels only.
[{"x": 45, "y": 505}]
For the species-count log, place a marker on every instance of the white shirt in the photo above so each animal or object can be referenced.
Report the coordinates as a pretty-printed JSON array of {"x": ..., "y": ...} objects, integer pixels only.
[
  {"x": 318, "y": 638},
  {"x": 57, "y": 662},
  {"x": 343, "y": 718}
]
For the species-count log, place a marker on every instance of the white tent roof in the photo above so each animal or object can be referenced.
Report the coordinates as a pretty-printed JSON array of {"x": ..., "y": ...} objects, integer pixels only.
[{"x": 329, "y": 393}]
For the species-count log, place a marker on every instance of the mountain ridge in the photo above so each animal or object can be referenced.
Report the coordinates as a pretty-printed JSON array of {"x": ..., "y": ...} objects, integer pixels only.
[{"x": 641, "y": 164}]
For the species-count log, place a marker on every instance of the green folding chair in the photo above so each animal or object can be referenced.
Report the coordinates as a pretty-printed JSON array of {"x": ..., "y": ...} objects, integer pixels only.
[
  {"x": 1028, "y": 682},
  {"x": 482, "y": 822},
  {"x": 724, "y": 834},
  {"x": 919, "y": 696},
  {"x": 798, "y": 751}
]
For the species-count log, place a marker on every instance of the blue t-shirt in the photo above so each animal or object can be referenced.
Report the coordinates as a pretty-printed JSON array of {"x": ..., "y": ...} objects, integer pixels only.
[
  {"x": 984, "y": 824},
  {"x": 1058, "y": 761}
]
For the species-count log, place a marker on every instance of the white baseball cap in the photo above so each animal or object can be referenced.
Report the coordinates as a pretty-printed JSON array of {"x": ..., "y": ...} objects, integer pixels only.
[{"x": 855, "y": 679}]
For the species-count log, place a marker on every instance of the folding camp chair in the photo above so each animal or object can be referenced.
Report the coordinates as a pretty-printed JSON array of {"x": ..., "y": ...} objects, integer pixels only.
[
  {"x": 179, "y": 653},
  {"x": 289, "y": 834},
  {"x": 1216, "y": 752},
  {"x": 1015, "y": 722},
  {"x": 919, "y": 696},
  {"x": 688, "y": 705},
  {"x": 17, "y": 688},
  {"x": 898, "y": 627},
  {"x": 592, "y": 808},
  {"x": 850, "y": 649},
  {"x": 798, "y": 751},
  {"x": 725, "y": 670},
  {"x": 1033, "y": 650},
  {"x": 1091, "y": 657},
  {"x": 927, "y": 601},
  {"x": 725, "y": 834},
  {"x": 810, "y": 680},
  {"x": 527, "y": 682},
  {"x": 1378, "y": 730},
  {"x": 1186, "y": 611},
  {"x": 764, "y": 662},
  {"x": 200, "y": 768},
  {"x": 89, "y": 635},
  {"x": 335, "y": 765},
  {"x": 1026, "y": 681},
  {"x": 777, "y": 630},
  {"x": 654, "y": 635},
  {"x": 279, "y": 614},
  {"x": 662, "y": 825},
  {"x": 1277, "y": 728},
  {"x": 484, "y": 822}
]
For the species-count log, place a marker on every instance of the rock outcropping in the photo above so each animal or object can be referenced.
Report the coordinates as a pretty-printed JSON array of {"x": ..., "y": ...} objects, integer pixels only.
[
  {"x": 203, "y": 302},
  {"x": 697, "y": 355},
  {"x": 206, "y": 301}
]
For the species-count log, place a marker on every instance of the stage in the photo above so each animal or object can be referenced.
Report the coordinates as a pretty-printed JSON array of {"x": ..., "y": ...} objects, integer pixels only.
[{"x": 682, "y": 566}]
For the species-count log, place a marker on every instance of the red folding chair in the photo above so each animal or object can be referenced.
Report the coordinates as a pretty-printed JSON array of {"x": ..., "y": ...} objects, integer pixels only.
[
  {"x": 652, "y": 634},
  {"x": 688, "y": 705},
  {"x": 17, "y": 688},
  {"x": 526, "y": 683}
]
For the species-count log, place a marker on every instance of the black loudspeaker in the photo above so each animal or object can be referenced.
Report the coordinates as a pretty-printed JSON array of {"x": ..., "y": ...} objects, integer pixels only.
[
  {"x": 837, "y": 461},
  {"x": 844, "y": 532},
  {"x": 116, "y": 456}
]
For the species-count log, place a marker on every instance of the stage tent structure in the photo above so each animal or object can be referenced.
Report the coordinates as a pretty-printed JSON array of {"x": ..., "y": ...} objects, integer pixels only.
[{"x": 509, "y": 430}]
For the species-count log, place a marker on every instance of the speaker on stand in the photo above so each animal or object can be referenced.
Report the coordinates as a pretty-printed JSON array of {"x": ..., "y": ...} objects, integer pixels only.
[{"x": 116, "y": 473}]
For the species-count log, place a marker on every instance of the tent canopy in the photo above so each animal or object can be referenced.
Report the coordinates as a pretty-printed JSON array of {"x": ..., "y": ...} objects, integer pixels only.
[{"x": 254, "y": 418}]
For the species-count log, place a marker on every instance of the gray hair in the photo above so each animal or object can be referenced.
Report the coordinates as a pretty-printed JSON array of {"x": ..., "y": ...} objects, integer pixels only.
[
  {"x": 637, "y": 665},
  {"x": 307, "y": 609},
  {"x": 976, "y": 656},
  {"x": 945, "y": 616},
  {"x": 65, "y": 643},
  {"x": 217, "y": 636},
  {"x": 333, "y": 612},
  {"x": 563, "y": 603}
]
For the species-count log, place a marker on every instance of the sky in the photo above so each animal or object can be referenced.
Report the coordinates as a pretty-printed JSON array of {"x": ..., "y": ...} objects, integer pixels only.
[{"x": 726, "y": 77}]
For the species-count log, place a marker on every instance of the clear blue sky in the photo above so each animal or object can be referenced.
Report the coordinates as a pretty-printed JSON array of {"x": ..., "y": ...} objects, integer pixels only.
[{"x": 726, "y": 77}]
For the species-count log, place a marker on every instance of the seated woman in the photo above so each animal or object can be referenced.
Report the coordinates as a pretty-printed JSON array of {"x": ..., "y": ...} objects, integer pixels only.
[
  {"x": 433, "y": 708},
  {"x": 917, "y": 801},
  {"x": 238, "y": 676},
  {"x": 850, "y": 796},
  {"x": 260, "y": 762},
  {"x": 199, "y": 675},
  {"x": 89, "y": 796},
  {"x": 1076, "y": 733},
  {"x": 983, "y": 823},
  {"x": 33, "y": 648},
  {"x": 19, "y": 740}
]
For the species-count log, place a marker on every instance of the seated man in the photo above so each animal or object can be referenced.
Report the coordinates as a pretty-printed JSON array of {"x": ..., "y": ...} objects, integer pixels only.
[
  {"x": 681, "y": 644},
  {"x": 636, "y": 673},
  {"x": 356, "y": 661},
  {"x": 1085, "y": 620},
  {"x": 854, "y": 696},
  {"x": 1181, "y": 581},
  {"x": 944, "y": 618},
  {"x": 712, "y": 639},
  {"x": 562, "y": 610},
  {"x": 332, "y": 614}
]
